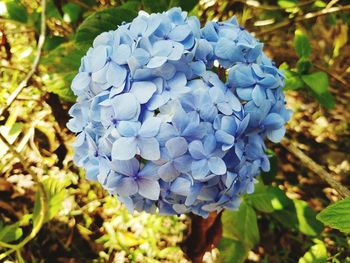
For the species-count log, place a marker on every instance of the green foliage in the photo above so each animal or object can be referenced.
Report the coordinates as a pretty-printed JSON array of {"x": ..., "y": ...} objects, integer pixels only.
[
  {"x": 240, "y": 233},
  {"x": 162, "y": 5},
  {"x": 337, "y": 215},
  {"x": 318, "y": 83},
  {"x": 16, "y": 11},
  {"x": 241, "y": 225},
  {"x": 155, "y": 6},
  {"x": 294, "y": 214},
  {"x": 10, "y": 233},
  {"x": 260, "y": 199},
  {"x": 316, "y": 254},
  {"x": 232, "y": 250},
  {"x": 302, "y": 44},
  {"x": 72, "y": 12},
  {"x": 102, "y": 21},
  {"x": 63, "y": 62}
]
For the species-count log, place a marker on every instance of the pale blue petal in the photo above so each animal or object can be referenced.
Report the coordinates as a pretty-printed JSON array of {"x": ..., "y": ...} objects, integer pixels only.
[
  {"x": 156, "y": 62},
  {"x": 276, "y": 135},
  {"x": 126, "y": 106},
  {"x": 124, "y": 148},
  {"x": 143, "y": 90},
  {"x": 258, "y": 95},
  {"x": 181, "y": 186},
  {"x": 129, "y": 128},
  {"x": 196, "y": 150},
  {"x": 115, "y": 75},
  {"x": 200, "y": 169},
  {"x": 168, "y": 172},
  {"x": 126, "y": 186},
  {"x": 149, "y": 148},
  {"x": 179, "y": 33},
  {"x": 176, "y": 146},
  {"x": 150, "y": 127},
  {"x": 217, "y": 165},
  {"x": 121, "y": 54},
  {"x": 81, "y": 82},
  {"x": 127, "y": 168},
  {"x": 149, "y": 188},
  {"x": 99, "y": 58},
  {"x": 273, "y": 121}
]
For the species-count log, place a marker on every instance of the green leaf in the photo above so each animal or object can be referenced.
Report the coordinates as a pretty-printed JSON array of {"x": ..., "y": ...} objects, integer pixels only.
[
  {"x": 302, "y": 44},
  {"x": 152, "y": 6},
  {"x": 316, "y": 254},
  {"x": 303, "y": 66},
  {"x": 63, "y": 63},
  {"x": 337, "y": 215},
  {"x": 287, "y": 3},
  {"x": 52, "y": 42},
  {"x": 241, "y": 225},
  {"x": 232, "y": 251},
  {"x": 55, "y": 192},
  {"x": 71, "y": 12},
  {"x": 10, "y": 233},
  {"x": 186, "y": 5},
  {"x": 17, "y": 11},
  {"x": 294, "y": 214},
  {"x": 133, "y": 5},
  {"x": 318, "y": 83},
  {"x": 260, "y": 199},
  {"x": 102, "y": 21}
]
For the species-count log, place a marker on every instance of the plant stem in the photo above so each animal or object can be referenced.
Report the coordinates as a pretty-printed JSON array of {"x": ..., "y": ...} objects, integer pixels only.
[
  {"x": 24, "y": 82},
  {"x": 316, "y": 168}
]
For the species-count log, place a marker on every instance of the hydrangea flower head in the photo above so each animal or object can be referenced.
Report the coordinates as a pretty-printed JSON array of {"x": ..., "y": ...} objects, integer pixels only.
[{"x": 159, "y": 129}]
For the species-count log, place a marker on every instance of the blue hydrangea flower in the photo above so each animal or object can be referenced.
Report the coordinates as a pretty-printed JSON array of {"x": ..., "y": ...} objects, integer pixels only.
[{"x": 159, "y": 129}]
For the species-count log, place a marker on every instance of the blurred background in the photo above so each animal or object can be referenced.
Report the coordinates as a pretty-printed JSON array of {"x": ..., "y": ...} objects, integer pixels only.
[{"x": 50, "y": 213}]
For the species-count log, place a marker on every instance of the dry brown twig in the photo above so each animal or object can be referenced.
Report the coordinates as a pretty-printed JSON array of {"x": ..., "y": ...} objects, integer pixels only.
[{"x": 316, "y": 168}]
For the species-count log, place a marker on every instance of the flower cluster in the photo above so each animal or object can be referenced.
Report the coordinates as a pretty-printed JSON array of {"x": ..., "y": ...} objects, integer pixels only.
[{"x": 160, "y": 130}]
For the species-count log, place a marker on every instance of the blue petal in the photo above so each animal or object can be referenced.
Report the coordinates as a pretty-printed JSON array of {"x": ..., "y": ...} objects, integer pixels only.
[
  {"x": 143, "y": 90},
  {"x": 196, "y": 150},
  {"x": 124, "y": 148},
  {"x": 126, "y": 186},
  {"x": 150, "y": 127},
  {"x": 194, "y": 192},
  {"x": 121, "y": 54},
  {"x": 157, "y": 62},
  {"x": 181, "y": 186},
  {"x": 129, "y": 128},
  {"x": 276, "y": 135},
  {"x": 149, "y": 188},
  {"x": 258, "y": 95},
  {"x": 230, "y": 178},
  {"x": 128, "y": 168},
  {"x": 115, "y": 75},
  {"x": 176, "y": 146},
  {"x": 200, "y": 169},
  {"x": 179, "y": 33},
  {"x": 168, "y": 172},
  {"x": 217, "y": 165},
  {"x": 81, "y": 82},
  {"x": 126, "y": 106},
  {"x": 150, "y": 170},
  {"x": 99, "y": 57},
  {"x": 209, "y": 144},
  {"x": 149, "y": 148},
  {"x": 183, "y": 163},
  {"x": 273, "y": 121}
]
